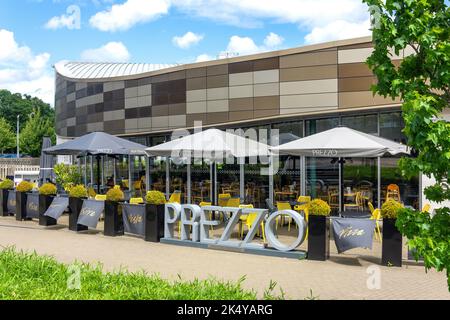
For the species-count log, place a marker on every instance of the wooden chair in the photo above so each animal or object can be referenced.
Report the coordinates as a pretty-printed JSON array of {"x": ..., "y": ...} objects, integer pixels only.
[{"x": 358, "y": 204}]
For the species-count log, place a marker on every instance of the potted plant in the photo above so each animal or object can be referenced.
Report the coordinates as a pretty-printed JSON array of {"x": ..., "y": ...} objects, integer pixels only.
[
  {"x": 76, "y": 196},
  {"x": 5, "y": 186},
  {"x": 21, "y": 199},
  {"x": 113, "y": 213},
  {"x": 391, "y": 251},
  {"x": 47, "y": 193},
  {"x": 154, "y": 216},
  {"x": 318, "y": 230}
]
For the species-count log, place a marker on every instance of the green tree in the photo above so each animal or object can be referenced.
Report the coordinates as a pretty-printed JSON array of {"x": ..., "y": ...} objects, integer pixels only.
[
  {"x": 422, "y": 80},
  {"x": 7, "y": 136},
  {"x": 13, "y": 105},
  {"x": 35, "y": 130}
]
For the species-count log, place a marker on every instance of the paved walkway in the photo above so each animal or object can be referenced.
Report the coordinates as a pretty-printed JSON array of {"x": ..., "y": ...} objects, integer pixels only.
[{"x": 342, "y": 277}]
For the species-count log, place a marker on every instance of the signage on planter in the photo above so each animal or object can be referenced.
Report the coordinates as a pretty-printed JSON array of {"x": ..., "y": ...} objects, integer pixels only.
[
  {"x": 352, "y": 233},
  {"x": 134, "y": 218},
  {"x": 90, "y": 213},
  {"x": 11, "y": 201},
  {"x": 57, "y": 208},
  {"x": 195, "y": 226},
  {"x": 32, "y": 205}
]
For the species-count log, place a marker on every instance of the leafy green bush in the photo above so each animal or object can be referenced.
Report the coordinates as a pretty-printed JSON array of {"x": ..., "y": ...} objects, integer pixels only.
[
  {"x": 48, "y": 189},
  {"x": 390, "y": 209},
  {"x": 26, "y": 276},
  {"x": 67, "y": 175},
  {"x": 78, "y": 191},
  {"x": 115, "y": 195},
  {"x": 155, "y": 197},
  {"x": 24, "y": 186},
  {"x": 318, "y": 207},
  {"x": 7, "y": 184}
]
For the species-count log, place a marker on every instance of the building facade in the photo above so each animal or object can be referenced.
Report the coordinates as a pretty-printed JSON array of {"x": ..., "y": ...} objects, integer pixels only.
[{"x": 298, "y": 91}]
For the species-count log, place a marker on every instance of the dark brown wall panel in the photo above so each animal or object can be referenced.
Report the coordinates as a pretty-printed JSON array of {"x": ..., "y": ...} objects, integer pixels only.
[
  {"x": 238, "y": 67},
  {"x": 241, "y": 104},
  {"x": 266, "y": 64},
  {"x": 264, "y": 103},
  {"x": 356, "y": 84},
  {"x": 217, "y": 81}
]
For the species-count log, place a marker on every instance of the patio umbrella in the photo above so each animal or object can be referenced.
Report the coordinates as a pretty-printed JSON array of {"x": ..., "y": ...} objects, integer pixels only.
[
  {"x": 45, "y": 162},
  {"x": 98, "y": 144},
  {"x": 342, "y": 142},
  {"x": 212, "y": 144}
]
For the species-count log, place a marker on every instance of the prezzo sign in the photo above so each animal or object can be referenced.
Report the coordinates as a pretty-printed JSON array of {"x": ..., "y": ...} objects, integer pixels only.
[
  {"x": 195, "y": 225},
  {"x": 325, "y": 153}
]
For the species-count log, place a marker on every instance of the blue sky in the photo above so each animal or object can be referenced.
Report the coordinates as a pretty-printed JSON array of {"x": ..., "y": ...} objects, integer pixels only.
[{"x": 35, "y": 34}]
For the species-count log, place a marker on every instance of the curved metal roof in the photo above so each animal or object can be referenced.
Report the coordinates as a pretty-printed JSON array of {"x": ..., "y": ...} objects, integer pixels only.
[{"x": 94, "y": 70}]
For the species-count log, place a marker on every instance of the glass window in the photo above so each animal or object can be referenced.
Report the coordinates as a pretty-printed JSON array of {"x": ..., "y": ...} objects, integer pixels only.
[
  {"x": 391, "y": 126},
  {"x": 366, "y": 123},
  {"x": 319, "y": 125}
]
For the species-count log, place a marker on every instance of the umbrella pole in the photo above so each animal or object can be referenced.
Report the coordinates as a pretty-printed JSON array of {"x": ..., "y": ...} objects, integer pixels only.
[
  {"x": 103, "y": 170},
  {"x": 114, "y": 171},
  {"x": 98, "y": 174},
  {"x": 85, "y": 170},
  {"x": 167, "y": 178},
  {"x": 241, "y": 180},
  {"x": 341, "y": 184},
  {"x": 215, "y": 182},
  {"x": 379, "y": 182},
  {"x": 188, "y": 169},
  {"x": 91, "y": 171},
  {"x": 147, "y": 174},
  {"x": 271, "y": 173}
]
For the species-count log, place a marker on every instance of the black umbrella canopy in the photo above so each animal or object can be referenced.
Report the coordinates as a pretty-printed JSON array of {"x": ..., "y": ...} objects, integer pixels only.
[
  {"x": 97, "y": 143},
  {"x": 46, "y": 162}
]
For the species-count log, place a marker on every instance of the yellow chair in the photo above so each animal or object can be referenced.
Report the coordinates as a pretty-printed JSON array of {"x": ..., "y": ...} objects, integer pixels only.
[
  {"x": 301, "y": 207},
  {"x": 100, "y": 197},
  {"x": 117, "y": 187},
  {"x": 138, "y": 187},
  {"x": 234, "y": 202},
  {"x": 223, "y": 199},
  {"x": 125, "y": 183},
  {"x": 175, "y": 197},
  {"x": 358, "y": 204},
  {"x": 248, "y": 220},
  {"x": 376, "y": 215},
  {"x": 426, "y": 208},
  {"x": 136, "y": 200},
  {"x": 283, "y": 205}
]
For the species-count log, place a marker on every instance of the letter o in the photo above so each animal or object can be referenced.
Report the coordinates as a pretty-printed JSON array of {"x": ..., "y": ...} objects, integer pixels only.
[{"x": 272, "y": 239}]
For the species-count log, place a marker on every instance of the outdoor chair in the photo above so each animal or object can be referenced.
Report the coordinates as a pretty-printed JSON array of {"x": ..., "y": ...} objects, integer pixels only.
[
  {"x": 136, "y": 200},
  {"x": 283, "y": 205},
  {"x": 358, "y": 204},
  {"x": 175, "y": 197},
  {"x": 375, "y": 215},
  {"x": 234, "y": 202},
  {"x": 100, "y": 197},
  {"x": 248, "y": 220},
  {"x": 426, "y": 208},
  {"x": 223, "y": 199},
  {"x": 393, "y": 192}
]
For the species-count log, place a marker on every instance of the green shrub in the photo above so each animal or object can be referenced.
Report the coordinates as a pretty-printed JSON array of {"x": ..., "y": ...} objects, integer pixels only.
[
  {"x": 318, "y": 207},
  {"x": 7, "y": 184},
  {"x": 78, "y": 191},
  {"x": 155, "y": 197},
  {"x": 48, "y": 189},
  {"x": 28, "y": 276},
  {"x": 24, "y": 186},
  {"x": 67, "y": 175},
  {"x": 115, "y": 195},
  {"x": 390, "y": 209}
]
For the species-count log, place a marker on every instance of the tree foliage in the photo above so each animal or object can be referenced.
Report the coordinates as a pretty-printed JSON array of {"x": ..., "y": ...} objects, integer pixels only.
[
  {"x": 7, "y": 136},
  {"x": 35, "y": 130},
  {"x": 422, "y": 28}
]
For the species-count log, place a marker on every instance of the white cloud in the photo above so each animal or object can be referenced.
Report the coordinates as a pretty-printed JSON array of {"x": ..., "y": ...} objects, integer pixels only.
[
  {"x": 273, "y": 40},
  {"x": 23, "y": 72},
  {"x": 110, "y": 52},
  {"x": 338, "y": 30},
  {"x": 187, "y": 40},
  {"x": 204, "y": 57},
  {"x": 121, "y": 17},
  {"x": 71, "y": 20}
]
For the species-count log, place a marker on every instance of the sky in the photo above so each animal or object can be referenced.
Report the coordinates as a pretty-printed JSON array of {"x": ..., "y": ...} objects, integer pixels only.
[{"x": 36, "y": 34}]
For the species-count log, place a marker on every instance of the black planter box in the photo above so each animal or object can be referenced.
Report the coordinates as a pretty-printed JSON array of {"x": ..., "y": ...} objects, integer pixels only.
[
  {"x": 154, "y": 222},
  {"x": 318, "y": 238},
  {"x": 21, "y": 206},
  {"x": 4, "y": 203},
  {"x": 391, "y": 254},
  {"x": 113, "y": 219},
  {"x": 75, "y": 205},
  {"x": 44, "y": 203}
]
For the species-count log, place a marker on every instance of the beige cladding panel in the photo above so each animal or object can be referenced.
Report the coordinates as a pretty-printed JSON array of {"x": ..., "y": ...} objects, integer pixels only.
[
  {"x": 239, "y": 79},
  {"x": 196, "y": 107},
  {"x": 217, "y": 117},
  {"x": 144, "y": 101},
  {"x": 131, "y": 103},
  {"x": 196, "y": 95},
  {"x": 308, "y": 73},
  {"x": 217, "y": 106},
  {"x": 267, "y": 89},
  {"x": 71, "y": 97},
  {"x": 241, "y": 104},
  {"x": 309, "y": 59},
  {"x": 196, "y": 117},
  {"x": 93, "y": 127},
  {"x": 305, "y": 87},
  {"x": 111, "y": 86},
  {"x": 160, "y": 122},
  {"x": 309, "y": 101},
  {"x": 131, "y": 92},
  {"x": 266, "y": 76},
  {"x": 264, "y": 103},
  {"x": 113, "y": 115},
  {"x": 306, "y": 110},
  {"x": 131, "y": 123},
  {"x": 241, "y": 91},
  {"x": 362, "y": 99},
  {"x": 196, "y": 83},
  {"x": 356, "y": 84},
  {"x": 354, "y": 55},
  {"x": 217, "y": 93},
  {"x": 145, "y": 90},
  {"x": 177, "y": 121},
  {"x": 145, "y": 123}
]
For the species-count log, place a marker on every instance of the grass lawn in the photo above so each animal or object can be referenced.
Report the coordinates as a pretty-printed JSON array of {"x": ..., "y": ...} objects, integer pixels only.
[{"x": 31, "y": 276}]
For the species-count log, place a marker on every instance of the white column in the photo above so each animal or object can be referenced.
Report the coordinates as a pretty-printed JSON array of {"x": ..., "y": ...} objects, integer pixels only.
[
  {"x": 188, "y": 169},
  {"x": 167, "y": 178},
  {"x": 114, "y": 171},
  {"x": 241, "y": 179},
  {"x": 91, "y": 170},
  {"x": 147, "y": 173}
]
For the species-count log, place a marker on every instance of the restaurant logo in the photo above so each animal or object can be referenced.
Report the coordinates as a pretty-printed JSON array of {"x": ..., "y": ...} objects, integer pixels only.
[
  {"x": 87, "y": 212},
  {"x": 331, "y": 153},
  {"x": 33, "y": 206},
  {"x": 135, "y": 219},
  {"x": 12, "y": 202}
]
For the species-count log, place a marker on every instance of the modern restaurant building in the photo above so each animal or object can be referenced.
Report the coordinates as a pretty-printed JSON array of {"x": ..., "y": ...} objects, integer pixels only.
[{"x": 299, "y": 91}]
